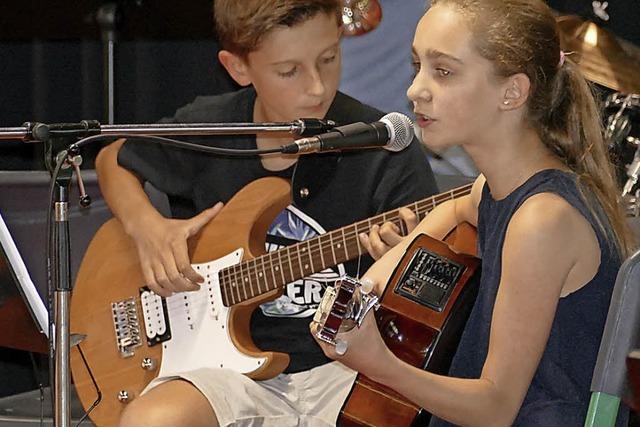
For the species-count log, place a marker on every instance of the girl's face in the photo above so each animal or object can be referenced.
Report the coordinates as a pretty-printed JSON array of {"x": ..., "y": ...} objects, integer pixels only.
[{"x": 455, "y": 93}]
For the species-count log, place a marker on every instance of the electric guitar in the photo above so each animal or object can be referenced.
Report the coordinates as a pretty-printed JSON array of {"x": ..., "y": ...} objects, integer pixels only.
[{"x": 131, "y": 335}]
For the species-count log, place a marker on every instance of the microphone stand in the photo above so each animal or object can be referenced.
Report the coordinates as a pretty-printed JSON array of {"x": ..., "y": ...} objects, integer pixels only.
[
  {"x": 34, "y": 132},
  {"x": 62, "y": 158}
]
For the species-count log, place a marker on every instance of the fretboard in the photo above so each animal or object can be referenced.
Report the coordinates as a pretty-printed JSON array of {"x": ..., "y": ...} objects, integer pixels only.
[{"x": 275, "y": 269}]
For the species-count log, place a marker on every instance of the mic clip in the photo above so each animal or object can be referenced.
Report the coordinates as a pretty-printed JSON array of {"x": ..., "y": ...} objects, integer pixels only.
[{"x": 312, "y": 127}]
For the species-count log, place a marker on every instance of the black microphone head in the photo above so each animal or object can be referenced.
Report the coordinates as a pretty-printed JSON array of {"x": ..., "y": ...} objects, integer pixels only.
[{"x": 400, "y": 129}]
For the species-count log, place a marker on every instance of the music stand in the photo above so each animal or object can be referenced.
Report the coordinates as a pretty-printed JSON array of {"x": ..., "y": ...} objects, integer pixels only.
[{"x": 23, "y": 315}]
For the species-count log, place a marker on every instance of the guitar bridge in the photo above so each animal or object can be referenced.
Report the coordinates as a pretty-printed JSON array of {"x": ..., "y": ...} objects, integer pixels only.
[{"x": 126, "y": 325}]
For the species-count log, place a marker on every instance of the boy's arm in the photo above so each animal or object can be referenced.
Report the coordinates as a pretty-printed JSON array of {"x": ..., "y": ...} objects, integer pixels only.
[
  {"x": 123, "y": 191},
  {"x": 161, "y": 242}
]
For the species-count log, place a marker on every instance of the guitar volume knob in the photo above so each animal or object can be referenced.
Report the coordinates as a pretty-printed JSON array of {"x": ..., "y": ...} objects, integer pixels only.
[
  {"x": 123, "y": 396},
  {"x": 148, "y": 364}
]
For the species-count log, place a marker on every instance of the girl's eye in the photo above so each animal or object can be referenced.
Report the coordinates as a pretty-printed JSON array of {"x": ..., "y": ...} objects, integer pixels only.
[
  {"x": 416, "y": 66},
  {"x": 289, "y": 73},
  {"x": 329, "y": 59},
  {"x": 443, "y": 72}
]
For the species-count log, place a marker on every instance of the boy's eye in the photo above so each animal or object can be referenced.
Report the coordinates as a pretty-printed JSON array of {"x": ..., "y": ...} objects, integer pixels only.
[{"x": 289, "y": 73}]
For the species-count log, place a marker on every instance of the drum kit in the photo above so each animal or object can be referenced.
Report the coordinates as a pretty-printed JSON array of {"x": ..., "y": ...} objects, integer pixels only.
[{"x": 604, "y": 61}]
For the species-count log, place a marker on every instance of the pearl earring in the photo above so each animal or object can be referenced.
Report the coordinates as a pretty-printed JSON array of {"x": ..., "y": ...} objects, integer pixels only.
[{"x": 505, "y": 102}]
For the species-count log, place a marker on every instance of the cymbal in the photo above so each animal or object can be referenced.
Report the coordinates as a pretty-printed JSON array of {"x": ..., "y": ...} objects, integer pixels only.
[{"x": 599, "y": 54}]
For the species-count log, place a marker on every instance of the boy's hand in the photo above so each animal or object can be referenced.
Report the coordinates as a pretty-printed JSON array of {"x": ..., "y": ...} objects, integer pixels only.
[
  {"x": 163, "y": 253},
  {"x": 382, "y": 238}
]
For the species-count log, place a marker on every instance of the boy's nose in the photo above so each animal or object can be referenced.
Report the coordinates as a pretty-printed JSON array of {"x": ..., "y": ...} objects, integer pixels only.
[{"x": 316, "y": 85}]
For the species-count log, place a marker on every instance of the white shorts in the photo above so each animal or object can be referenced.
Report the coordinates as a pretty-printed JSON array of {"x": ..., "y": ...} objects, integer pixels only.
[{"x": 304, "y": 399}]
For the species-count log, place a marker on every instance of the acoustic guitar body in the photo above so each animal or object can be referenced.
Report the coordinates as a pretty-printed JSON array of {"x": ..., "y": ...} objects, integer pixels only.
[{"x": 421, "y": 317}]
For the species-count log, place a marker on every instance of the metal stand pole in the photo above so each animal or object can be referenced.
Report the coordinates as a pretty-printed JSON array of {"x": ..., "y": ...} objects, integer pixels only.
[
  {"x": 108, "y": 18},
  {"x": 62, "y": 291}
]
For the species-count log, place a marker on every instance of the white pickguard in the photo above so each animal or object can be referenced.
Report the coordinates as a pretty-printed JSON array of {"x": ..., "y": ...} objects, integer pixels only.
[{"x": 199, "y": 327}]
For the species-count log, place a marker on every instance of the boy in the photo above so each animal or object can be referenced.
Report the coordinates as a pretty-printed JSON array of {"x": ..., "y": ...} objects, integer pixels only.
[{"x": 288, "y": 54}]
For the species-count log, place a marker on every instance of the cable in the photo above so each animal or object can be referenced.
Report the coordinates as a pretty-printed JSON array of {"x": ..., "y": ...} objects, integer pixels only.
[
  {"x": 174, "y": 142},
  {"x": 50, "y": 243}
]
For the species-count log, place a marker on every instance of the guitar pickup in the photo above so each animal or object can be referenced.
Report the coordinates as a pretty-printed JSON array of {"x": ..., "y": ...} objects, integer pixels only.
[{"x": 155, "y": 317}]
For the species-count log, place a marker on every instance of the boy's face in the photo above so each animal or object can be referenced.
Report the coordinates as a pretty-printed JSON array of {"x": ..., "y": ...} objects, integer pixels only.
[{"x": 296, "y": 70}]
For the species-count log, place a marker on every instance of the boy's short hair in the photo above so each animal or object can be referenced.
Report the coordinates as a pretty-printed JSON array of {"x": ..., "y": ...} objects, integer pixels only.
[{"x": 241, "y": 24}]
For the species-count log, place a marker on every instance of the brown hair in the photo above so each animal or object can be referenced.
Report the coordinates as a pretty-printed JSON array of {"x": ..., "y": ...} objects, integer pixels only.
[
  {"x": 241, "y": 24},
  {"x": 521, "y": 36}
]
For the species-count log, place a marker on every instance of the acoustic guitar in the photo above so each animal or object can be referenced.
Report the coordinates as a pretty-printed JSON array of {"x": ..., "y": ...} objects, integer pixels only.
[
  {"x": 421, "y": 315},
  {"x": 131, "y": 335}
]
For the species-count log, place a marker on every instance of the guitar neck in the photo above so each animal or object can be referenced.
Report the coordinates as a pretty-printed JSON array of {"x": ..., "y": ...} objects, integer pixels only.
[{"x": 274, "y": 270}]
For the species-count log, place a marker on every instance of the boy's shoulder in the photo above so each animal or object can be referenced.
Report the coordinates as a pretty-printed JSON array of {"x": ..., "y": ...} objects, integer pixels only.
[
  {"x": 346, "y": 109},
  {"x": 227, "y": 107}
]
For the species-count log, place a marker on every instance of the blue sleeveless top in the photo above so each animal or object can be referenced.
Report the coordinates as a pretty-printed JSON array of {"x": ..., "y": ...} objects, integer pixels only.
[{"x": 559, "y": 392}]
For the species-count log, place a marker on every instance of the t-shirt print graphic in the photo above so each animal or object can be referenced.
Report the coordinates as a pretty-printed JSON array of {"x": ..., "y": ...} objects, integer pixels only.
[{"x": 301, "y": 297}]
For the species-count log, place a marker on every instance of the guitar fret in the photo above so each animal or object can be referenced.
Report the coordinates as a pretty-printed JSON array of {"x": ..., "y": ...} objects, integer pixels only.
[
  {"x": 299, "y": 262},
  {"x": 273, "y": 274},
  {"x": 223, "y": 288},
  {"x": 257, "y": 274},
  {"x": 346, "y": 245},
  {"x": 232, "y": 280},
  {"x": 280, "y": 268},
  {"x": 245, "y": 279},
  {"x": 355, "y": 230},
  {"x": 290, "y": 266},
  {"x": 329, "y": 245},
  {"x": 310, "y": 255},
  {"x": 324, "y": 265},
  {"x": 333, "y": 252},
  {"x": 302, "y": 251}
]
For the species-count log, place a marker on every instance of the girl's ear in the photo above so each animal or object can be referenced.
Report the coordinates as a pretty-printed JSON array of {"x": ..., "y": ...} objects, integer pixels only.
[{"x": 516, "y": 91}]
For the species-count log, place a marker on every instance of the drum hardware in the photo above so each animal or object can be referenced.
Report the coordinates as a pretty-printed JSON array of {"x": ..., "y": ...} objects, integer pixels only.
[
  {"x": 623, "y": 146},
  {"x": 632, "y": 204},
  {"x": 360, "y": 16},
  {"x": 619, "y": 125},
  {"x": 633, "y": 171}
]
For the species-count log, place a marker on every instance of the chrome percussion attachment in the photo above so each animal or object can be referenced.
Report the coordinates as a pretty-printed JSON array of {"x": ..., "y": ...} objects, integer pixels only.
[{"x": 342, "y": 308}]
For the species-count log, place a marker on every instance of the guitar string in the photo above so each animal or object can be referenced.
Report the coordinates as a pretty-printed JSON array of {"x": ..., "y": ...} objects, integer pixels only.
[
  {"x": 245, "y": 271},
  {"x": 251, "y": 267},
  {"x": 421, "y": 207}
]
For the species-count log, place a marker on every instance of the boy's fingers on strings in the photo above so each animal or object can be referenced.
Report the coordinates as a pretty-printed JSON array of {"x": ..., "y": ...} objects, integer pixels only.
[{"x": 183, "y": 265}]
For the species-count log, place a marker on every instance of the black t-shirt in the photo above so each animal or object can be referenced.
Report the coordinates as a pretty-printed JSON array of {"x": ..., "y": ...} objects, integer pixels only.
[{"x": 340, "y": 188}]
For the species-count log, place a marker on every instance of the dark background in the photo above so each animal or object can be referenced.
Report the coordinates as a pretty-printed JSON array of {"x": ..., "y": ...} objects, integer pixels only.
[{"x": 51, "y": 70}]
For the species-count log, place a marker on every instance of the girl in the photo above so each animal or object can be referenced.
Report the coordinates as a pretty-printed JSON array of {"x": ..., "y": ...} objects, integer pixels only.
[{"x": 491, "y": 77}]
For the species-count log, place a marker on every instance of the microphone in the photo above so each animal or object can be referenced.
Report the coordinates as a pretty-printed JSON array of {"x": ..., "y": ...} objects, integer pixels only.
[{"x": 393, "y": 132}]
